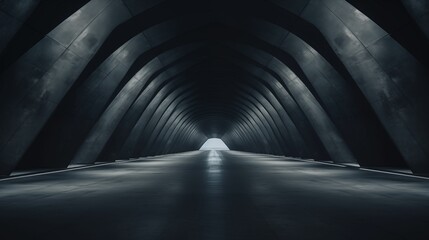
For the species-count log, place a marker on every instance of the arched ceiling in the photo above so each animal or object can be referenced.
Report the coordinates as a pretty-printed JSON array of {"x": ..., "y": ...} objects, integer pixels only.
[{"x": 101, "y": 80}]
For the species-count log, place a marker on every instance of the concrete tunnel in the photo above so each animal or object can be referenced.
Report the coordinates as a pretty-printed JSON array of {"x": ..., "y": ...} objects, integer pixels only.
[{"x": 322, "y": 103}]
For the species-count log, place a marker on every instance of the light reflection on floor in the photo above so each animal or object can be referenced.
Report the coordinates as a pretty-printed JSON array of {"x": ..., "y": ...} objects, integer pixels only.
[
  {"x": 215, "y": 195},
  {"x": 214, "y": 162},
  {"x": 213, "y": 201}
]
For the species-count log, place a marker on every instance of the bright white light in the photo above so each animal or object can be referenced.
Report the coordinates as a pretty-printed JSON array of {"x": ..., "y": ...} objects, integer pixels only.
[{"x": 214, "y": 144}]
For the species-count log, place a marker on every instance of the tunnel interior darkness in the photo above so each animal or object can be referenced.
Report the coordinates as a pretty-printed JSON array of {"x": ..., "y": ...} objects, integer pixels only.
[{"x": 344, "y": 81}]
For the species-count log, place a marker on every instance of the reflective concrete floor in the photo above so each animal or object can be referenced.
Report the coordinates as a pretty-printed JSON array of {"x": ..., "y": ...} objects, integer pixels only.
[{"x": 215, "y": 195}]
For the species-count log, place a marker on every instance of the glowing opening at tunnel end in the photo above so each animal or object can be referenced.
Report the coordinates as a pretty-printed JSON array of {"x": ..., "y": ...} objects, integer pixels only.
[{"x": 214, "y": 144}]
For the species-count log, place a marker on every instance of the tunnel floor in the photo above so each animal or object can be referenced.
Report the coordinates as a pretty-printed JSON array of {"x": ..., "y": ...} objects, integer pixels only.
[{"x": 215, "y": 195}]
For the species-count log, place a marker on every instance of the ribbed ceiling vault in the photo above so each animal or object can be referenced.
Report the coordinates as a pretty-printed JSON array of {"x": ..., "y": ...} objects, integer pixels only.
[{"x": 101, "y": 80}]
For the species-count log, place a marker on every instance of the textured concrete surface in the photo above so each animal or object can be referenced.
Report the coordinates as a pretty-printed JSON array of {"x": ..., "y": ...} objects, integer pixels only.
[
  {"x": 215, "y": 195},
  {"x": 332, "y": 80}
]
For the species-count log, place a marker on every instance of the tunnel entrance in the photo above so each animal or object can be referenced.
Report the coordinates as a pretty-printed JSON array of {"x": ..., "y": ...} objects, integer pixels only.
[{"x": 214, "y": 144}]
